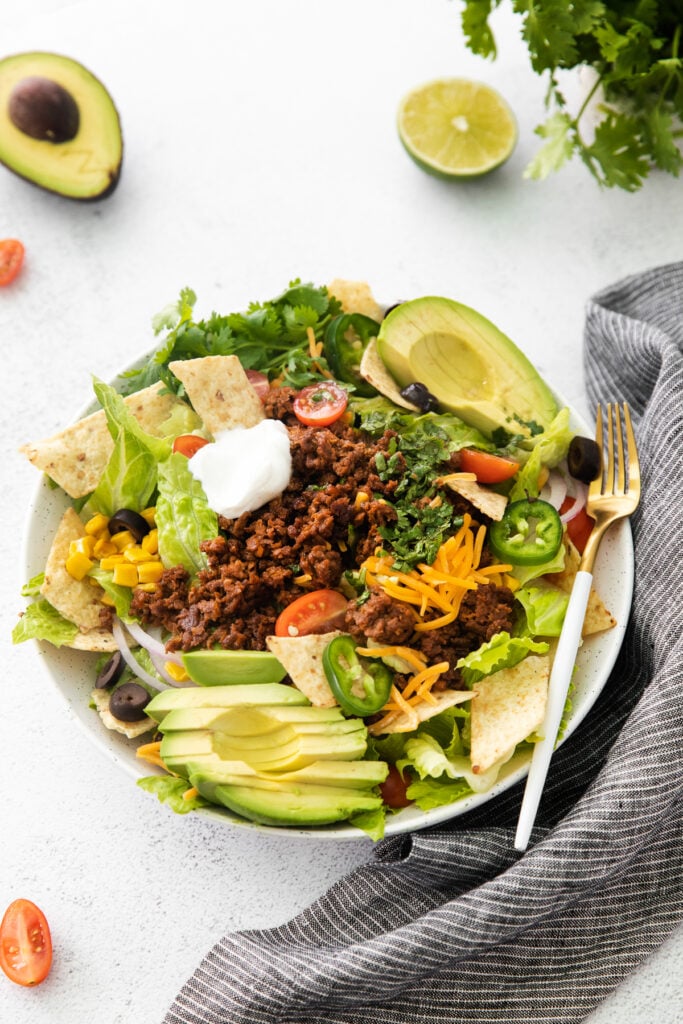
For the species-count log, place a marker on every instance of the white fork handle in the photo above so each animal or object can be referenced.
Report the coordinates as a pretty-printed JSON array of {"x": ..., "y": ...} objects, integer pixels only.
[{"x": 560, "y": 677}]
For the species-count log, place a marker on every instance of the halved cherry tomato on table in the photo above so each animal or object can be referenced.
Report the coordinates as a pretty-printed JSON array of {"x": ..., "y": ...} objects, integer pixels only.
[
  {"x": 188, "y": 444},
  {"x": 394, "y": 787},
  {"x": 488, "y": 469},
  {"x": 259, "y": 382},
  {"x": 318, "y": 405},
  {"x": 579, "y": 526},
  {"x": 319, "y": 611},
  {"x": 25, "y": 943},
  {"x": 11, "y": 259}
]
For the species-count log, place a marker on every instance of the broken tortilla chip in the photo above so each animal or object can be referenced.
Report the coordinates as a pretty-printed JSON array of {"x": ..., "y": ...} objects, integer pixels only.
[
  {"x": 406, "y": 721},
  {"x": 220, "y": 392},
  {"x": 132, "y": 730},
  {"x": 373, "y": 370},
  {"x": 597, "y": 618},
  {"x": 97, "y": 640},
  {"x": 356, "y": 297},
  {"x": 76, "y": 457},
  {"x": 490, "y": 503},
  {"x": 76, "y": 600},
  {"x": 302, "y": 658},
  {"x": 509, "y": 706}
]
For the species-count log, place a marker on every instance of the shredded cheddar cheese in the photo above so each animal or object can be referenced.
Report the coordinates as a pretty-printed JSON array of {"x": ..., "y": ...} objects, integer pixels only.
[{"x": 150, "y": 752}]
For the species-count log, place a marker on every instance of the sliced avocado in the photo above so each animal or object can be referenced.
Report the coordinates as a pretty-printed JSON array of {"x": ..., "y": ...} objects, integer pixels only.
[
  {"x": 349, "y": 774},
  {"x": 59, "y": 127},
  {"x": 282, "y": 750},
  {"x": 247, "y": 721},
  {"x": 249, "y": 695},
  {"x": 293, "y": 804},
  {"x": 471, "y": 367},
  {"x": 212, "y": 668}
]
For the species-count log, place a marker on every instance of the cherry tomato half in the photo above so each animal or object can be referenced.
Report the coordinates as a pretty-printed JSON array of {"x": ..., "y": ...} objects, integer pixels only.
[
  {"x": 320, "y": 611},
  {"x": 394, "y": 787},
  {"x": 11, "y": 259},
  {"x": 25, "y": 943},
  {"x": 259, "y": 382},
  {"x": 318, "y": 405},
  {"x": 488, "y": 469},
  {"x": 579, "y": 527},
  {"x": 188, "y": 444}
]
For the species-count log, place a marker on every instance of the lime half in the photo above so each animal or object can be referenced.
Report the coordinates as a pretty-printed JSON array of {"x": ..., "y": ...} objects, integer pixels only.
[{"x": 456, "y": 128}]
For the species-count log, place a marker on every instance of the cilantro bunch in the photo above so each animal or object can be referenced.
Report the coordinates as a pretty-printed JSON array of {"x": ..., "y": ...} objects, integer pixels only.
[
  {"x": 271, "y": 337},
  {"x": 634, "y": 48}
]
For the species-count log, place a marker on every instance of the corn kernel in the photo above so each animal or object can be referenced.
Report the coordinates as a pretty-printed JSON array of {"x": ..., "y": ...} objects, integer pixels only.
[
  {"x": 150, "y": 572},
  {"x": 125, "y": 574},
  {"x": 362, "y": 498},
  {"x": 122, "y": 539},
  {"x": 78, "y": 565},
  {"x": 135, "y": 553},
  {"x": 150, "y": 542},
  {"x": 82, "y": 546},
  {"x": 176, "y": 672},
  {"x": 149, "y": 515},
  {"x": 109, "y": 601},
  {"x": 96, "y": 525},
  {"x": 103, "y": 548},
  {"x": 148, "y": 588},
  {"x": 111, "y": 561}
]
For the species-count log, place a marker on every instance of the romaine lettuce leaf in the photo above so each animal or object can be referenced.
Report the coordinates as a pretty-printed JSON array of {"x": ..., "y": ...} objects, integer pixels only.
[
  {"x": 549, "y": 448},
  {"x": 424, "y": 754},
  {"x": 121, "y": 596},
  {"x": 545, "y": 607},
  {"x": 130, "y": 476},
  {"x": 379, "y": 414},
  {"x": 370, "y": 822},
  {"x": 501, "y": 651},
  {"x": 170, "y": 790},
  {"x": 42, "y": 621},
  {"x": 525, "y": 573},
  {"x": 183, "y": 516}
]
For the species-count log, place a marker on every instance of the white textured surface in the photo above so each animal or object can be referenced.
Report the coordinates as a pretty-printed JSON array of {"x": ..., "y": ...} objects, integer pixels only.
[{"x": 260, "y": 145}]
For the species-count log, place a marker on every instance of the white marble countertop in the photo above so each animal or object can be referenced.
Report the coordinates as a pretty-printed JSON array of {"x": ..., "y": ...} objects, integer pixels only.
[{"x": 260, "y": 146}]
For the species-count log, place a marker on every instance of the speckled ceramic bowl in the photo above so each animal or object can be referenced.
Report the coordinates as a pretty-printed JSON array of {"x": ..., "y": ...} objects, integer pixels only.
[{"x": 72, "y": 671}]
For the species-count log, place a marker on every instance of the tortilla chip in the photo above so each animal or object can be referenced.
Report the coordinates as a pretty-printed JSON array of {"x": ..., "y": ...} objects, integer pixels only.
[
  {"x": 488, "y": 502},
  {"x": 404, "y": 721},
  {"x": 100, "y": 699},
  {"x": 98, "y": 640},
  {"x": 302, "y": 658},
  {"x": 373, "y": 370},
  {"x": 77, "y": 600},
  {"x": 597, "y": 618},
  {"x": 356, "y": 297},
  {"x": 220, "y": 392},
  {"x": 76, "y": 457},
  {"x": 509, "y": 706}
]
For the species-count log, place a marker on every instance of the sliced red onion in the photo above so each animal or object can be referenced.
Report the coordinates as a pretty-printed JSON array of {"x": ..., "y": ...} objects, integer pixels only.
[
  {"x": 555, "y": 489},
  {"x": 130, "y": 660},
  {"x": 580, "y": 494},
  {"x": 152, "y": 644}
]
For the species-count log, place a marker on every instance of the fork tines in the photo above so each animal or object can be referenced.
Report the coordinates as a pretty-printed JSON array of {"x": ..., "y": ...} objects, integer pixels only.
[{"x": 621, "y": 470}]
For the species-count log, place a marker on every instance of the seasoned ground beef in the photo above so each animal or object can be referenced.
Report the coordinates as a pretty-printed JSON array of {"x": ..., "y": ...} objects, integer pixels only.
[{"x": 382, "y": 619}]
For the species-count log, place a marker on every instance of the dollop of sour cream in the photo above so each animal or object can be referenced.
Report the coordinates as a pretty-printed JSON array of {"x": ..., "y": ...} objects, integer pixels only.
[{"x": 244, "y": 468}]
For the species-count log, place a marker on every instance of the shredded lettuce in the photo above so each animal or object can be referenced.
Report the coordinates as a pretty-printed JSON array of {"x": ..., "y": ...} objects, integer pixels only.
[
  {"x": 169, "y": 790},
  {"x": 121, "y": 596},
  {"x": 42, "y": 621},
  {"x": 379, "y": 414},
  {"x": 525, "y": 573},
  {"x": 501, "y": 651},
  {"x": 549, "y": 448},
  {"x": 371, "y": 822},
  {"x": 183, "y": 516},
  {"x": 545, "y": 607}
]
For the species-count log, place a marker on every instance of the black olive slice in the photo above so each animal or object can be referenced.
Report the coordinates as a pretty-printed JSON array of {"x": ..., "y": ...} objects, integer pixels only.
[
  {"x": 584, "y": 459},
  {"x": 391, "y": 308},
  {"x": 419, "y": 395},
  {"x": 44, "y": 110},
  {"x": 111, "y": 672},
  {"x": 128, "y": 702},
  {"x": 127, "y": 519}
]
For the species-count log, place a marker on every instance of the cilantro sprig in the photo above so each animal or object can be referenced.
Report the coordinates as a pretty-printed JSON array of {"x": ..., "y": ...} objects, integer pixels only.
[
  {"x": 634, "y": 48},
  {"x": 271, "y": 337}
]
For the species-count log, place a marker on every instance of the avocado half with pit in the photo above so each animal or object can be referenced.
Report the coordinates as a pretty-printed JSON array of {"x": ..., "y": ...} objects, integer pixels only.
[
  {"x": 470, "y": 366},
  {"x": 59, "y": 127}
]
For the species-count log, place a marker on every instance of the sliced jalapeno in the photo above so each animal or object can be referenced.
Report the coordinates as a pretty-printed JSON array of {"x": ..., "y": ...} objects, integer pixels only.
[
  {"x": 529, "y": 533},
  {"x": 343, "y": 354},
  {"x": 361, "y": 686}
]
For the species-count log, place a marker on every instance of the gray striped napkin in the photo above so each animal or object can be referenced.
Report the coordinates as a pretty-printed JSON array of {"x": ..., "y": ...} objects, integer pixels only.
[{"x": 450, "y": 924}]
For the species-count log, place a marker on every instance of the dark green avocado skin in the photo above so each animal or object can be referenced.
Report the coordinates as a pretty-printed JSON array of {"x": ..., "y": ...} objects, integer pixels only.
[{"x": 41, "y": 161}]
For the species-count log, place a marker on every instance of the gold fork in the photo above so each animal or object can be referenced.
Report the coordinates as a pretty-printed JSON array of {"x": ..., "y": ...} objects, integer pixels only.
[{"x": 613, "y": 495}]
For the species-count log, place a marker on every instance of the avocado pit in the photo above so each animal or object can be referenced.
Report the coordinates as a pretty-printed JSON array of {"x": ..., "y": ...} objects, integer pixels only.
[{"x": 43, "y": 109}]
